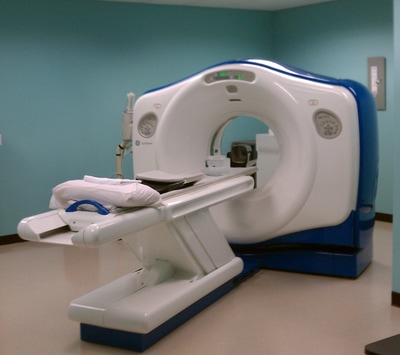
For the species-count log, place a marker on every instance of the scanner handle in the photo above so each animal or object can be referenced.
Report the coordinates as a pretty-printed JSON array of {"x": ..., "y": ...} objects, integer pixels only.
[{"x": 100, "y": 208}]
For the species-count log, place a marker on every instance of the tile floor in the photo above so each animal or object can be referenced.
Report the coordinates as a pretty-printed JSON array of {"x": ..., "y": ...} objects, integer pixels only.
[{"x": 271, "y": 313}]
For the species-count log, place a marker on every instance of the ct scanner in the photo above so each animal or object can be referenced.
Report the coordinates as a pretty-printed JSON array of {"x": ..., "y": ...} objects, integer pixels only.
[
  {"x": 322, "y": 193},
  {"x": 315, "y": 213}
]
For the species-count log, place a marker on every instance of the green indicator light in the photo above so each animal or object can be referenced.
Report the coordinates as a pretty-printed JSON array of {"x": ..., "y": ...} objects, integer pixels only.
[
  {"x": 239, "y": 77},
  {"x": 222, "y": 73}
]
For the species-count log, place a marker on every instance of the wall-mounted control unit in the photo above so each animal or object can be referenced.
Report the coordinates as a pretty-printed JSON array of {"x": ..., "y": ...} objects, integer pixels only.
[{"x": 377, "y": 80}]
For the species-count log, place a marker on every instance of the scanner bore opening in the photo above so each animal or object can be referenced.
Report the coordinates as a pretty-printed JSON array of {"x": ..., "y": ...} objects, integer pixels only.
[{"x": 238, "y": 139}]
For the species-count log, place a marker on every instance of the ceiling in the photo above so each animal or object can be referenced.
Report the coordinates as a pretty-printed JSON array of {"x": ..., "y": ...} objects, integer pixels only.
[{"x": 266, "y": 5}]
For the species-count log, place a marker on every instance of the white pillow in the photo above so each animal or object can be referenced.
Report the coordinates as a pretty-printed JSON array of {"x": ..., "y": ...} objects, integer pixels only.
[{"x": 124, "y": 195}]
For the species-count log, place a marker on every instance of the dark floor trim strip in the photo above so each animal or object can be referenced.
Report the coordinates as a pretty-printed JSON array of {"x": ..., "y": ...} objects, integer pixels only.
[
  {"x": 395, "y": 299},
  {"x": 384, "y": 217},
  {"x": 10, "y": 239}
]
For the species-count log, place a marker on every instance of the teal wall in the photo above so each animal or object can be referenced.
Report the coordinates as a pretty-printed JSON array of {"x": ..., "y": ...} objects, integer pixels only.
[
  {"x": 335, "y": 39},
  {"x": 66, "y": 65},
  {"x": 396, "y": 195},
  {"x": 65, "y": 69}
]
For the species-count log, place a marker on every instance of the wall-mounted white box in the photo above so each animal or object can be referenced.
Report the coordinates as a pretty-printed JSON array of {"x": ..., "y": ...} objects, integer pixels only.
[{"x": 377, "y": 80}]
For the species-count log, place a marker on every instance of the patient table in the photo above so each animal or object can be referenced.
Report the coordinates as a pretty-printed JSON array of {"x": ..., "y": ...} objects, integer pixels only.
[{"x": 187, "y": 262}]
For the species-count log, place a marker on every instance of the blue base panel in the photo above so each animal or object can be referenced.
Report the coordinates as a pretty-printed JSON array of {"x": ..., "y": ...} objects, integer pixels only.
[
  {"x": 344, "y": 250},
  {"x": 337, "y": 264},
  {"x": 141, "y": 342},
  {"x": 326, "y": 260}
]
